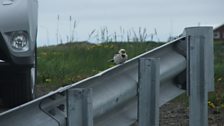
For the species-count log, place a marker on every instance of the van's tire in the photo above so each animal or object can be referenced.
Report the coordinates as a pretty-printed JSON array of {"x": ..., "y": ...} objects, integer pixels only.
[{"x": 17, "y": 86}]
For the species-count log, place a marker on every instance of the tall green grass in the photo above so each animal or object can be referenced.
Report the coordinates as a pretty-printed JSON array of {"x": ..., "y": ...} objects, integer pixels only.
[
  {"x": 219, "y": 59},
  {"x": 217, "y": 98},
  {"x": 103, "y": 34},
  {"x": 67, "y": 63}
]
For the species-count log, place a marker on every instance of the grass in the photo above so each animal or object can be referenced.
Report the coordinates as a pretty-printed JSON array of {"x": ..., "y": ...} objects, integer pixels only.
[
  {"x": 216, "y": 99},
  {"x": 67, "y": 63}
]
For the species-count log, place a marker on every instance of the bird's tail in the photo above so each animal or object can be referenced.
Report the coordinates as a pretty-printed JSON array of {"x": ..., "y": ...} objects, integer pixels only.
[{"x": 110, "y": 60}]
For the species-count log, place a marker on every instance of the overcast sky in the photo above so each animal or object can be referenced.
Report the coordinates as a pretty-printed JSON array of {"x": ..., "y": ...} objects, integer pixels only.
[{"x": 168, "y": 17}]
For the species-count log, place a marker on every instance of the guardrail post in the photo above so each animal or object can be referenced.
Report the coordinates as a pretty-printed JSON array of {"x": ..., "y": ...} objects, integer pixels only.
[
  {"x": 200, "y": 74},
  {"x": 148, "y": 92},
  {"x": 79, "y": 107}
]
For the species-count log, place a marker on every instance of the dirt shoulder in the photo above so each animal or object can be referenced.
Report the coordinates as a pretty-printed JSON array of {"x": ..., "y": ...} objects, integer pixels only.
[{"x": 176, "y": 114}]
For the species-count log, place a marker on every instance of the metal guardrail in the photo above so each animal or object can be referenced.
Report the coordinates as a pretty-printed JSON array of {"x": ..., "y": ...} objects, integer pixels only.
[{"x": 110, "y": 97}]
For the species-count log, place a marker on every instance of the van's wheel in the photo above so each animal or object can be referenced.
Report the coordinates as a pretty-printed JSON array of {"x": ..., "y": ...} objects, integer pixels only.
[{"x": 18, "y": 86}]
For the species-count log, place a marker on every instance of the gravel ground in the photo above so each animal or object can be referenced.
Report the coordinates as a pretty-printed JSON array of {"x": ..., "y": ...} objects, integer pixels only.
[{"x": 176, "y": 114}]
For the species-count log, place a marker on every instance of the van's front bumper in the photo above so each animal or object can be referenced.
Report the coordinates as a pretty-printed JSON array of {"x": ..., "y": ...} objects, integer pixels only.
[{"x": 18, "y": 21}]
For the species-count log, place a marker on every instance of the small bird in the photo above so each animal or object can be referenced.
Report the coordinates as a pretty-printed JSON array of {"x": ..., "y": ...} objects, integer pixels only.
[{"x": 120, "y": 58}]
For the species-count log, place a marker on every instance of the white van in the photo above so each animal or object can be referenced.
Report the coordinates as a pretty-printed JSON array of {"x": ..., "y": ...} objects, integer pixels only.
[{"x": 18, "y": 32}]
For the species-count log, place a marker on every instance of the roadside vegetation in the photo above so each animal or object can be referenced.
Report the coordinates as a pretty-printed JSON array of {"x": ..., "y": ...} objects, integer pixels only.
[
  {"x": 68, "y": 63},
  {"x": 216, "y": 99}
]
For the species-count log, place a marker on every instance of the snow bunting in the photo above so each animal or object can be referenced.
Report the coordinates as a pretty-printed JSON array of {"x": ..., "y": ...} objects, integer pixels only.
[{"x": 120, "y": 58}]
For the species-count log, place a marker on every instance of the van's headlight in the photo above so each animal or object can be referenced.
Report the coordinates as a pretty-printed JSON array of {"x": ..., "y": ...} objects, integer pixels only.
[{"x": 19, "y": 41}]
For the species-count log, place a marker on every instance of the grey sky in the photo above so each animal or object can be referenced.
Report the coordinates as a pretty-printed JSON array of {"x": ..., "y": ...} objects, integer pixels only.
[{"x": 169, "y": 17}]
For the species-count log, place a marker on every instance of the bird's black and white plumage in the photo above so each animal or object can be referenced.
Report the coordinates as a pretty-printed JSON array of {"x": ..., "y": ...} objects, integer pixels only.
[{"x": 121, "y": 57}]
